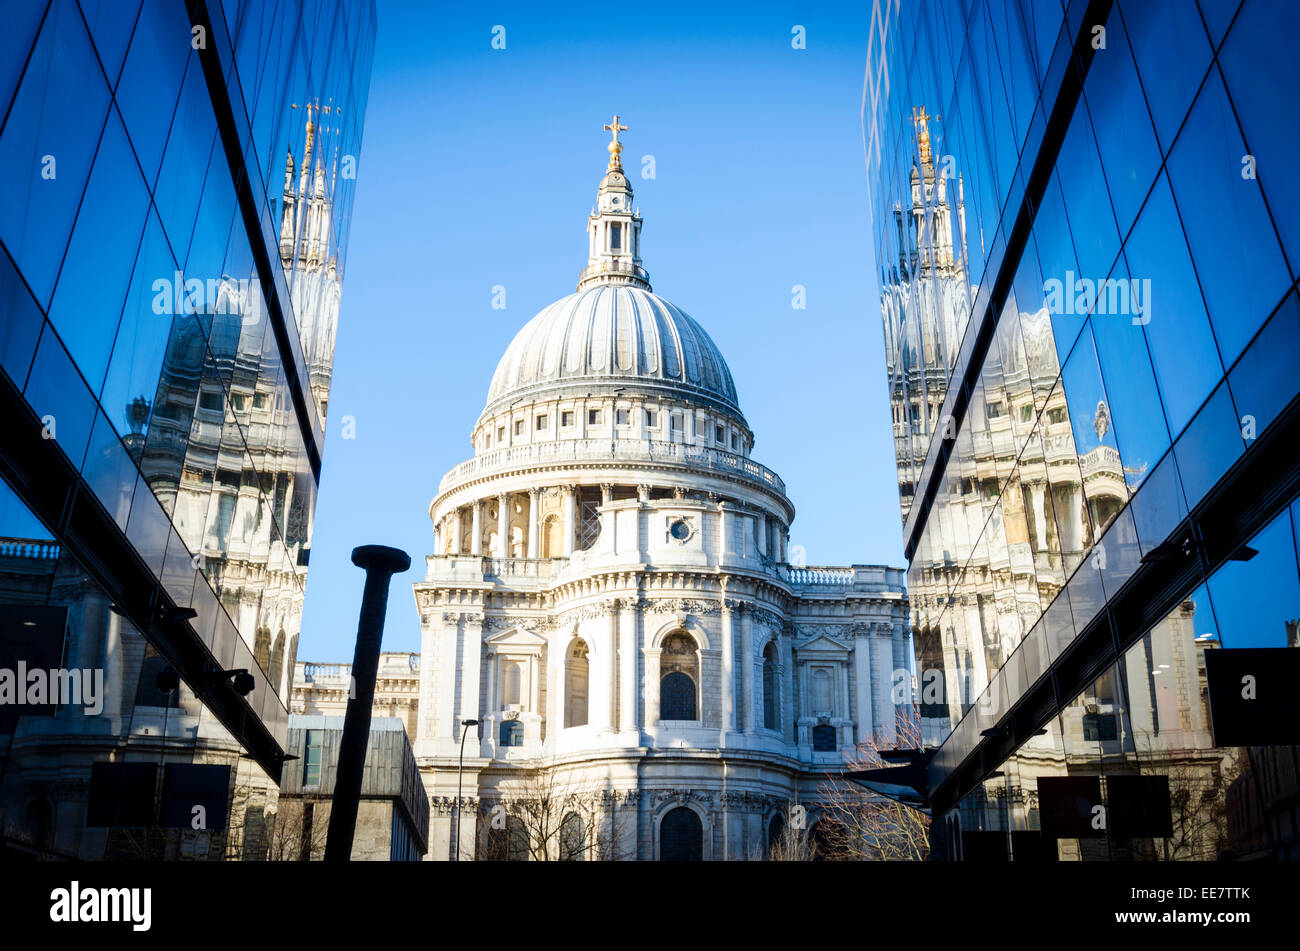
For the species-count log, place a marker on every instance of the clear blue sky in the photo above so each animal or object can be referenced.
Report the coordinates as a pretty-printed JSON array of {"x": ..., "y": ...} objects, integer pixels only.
[{"x": 479, "y": 168}]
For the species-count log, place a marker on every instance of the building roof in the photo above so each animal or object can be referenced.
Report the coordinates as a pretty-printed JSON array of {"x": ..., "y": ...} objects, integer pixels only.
[{"x": 613, "y": 335}]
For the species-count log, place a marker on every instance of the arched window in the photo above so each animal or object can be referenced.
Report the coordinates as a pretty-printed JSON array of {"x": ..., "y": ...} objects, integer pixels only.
[
  {"x": 552, "y": 540},
  {"x": 821, "y": 692},
  {"x": 681, "y": 836},
  {"x": 576, "y": 670},
  {"x": 771, "y": 689},
  {"x": 512, "y": 691},
  {"x": 679, "y": 667},
  {"x": 823, "y": 739},
  {"x": 512, "y": 733},
  {"x": 572, "y": 844}
]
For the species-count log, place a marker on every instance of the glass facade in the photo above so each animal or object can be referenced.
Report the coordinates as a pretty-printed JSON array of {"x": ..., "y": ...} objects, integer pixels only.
[
  {"x": 1083, "y": 215},
  {"x": 179, "y": 186}
]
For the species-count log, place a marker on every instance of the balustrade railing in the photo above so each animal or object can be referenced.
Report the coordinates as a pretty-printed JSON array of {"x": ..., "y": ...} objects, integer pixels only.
[{"x": 607, "y": 450}]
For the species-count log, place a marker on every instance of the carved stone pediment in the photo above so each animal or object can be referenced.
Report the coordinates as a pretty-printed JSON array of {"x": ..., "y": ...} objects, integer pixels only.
[{"x": 821, "y": 644}]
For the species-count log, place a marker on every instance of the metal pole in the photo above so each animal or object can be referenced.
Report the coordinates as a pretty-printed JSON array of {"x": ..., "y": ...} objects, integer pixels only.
[
  {"x": 380, "y": 563},
  {"x": 455, "y": 809}
]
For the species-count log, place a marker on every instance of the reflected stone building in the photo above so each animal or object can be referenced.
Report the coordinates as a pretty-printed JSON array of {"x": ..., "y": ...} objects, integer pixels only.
[
  {"x": 169, "y": 310},
  {"x": 610, "y": 597},
  {"x": 1090, "y": 329}
]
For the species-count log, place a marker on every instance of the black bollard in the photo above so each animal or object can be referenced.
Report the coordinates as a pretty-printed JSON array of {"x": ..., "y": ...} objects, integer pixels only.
[{"x": 380, "y": 564}]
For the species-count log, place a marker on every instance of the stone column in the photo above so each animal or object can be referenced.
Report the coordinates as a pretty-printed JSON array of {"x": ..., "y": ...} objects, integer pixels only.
[
  {"x": 470, "y": 666},
  {"x": 844, "y": 732},
  {"x": 606, "y": 493},
  {"x": 761, "y": 533},
  {"x": 787, "y": 687},
  {"x": 553, "y": 669},
  {"x": 446, "y": 639},
  {"x": 455, "y": 531},
  {"x": 746, "y": 610},
  {"x": 724, "y": 531},
  {"x": 503, "y": 525},
  {"x": 881, "y": 656},
  {"x": 570, "y": 519},
  {"x": 534, "y": 497},
  {"x": 437, "y": 537},
  {"x": 862, "y": 672},
  {"x": 627, "y": 662},
  {"x": 728, "y": 669},
  {"x": 650, "y": 686},
  {"x": 601, "y": 703},
  {"x": 476, "y": 529}
]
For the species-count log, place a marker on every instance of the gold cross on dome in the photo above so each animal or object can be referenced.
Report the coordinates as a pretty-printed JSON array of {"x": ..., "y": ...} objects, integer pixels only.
[
  {"x": 615, "y": 128},
  {"x": 615, "y": 147}
]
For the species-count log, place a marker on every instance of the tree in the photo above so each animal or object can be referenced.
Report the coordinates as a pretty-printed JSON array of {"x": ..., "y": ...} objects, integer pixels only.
[
  {"x": 299, "y": 829},
  {"x": 540, "y": 819},
  {"x": 859, "y": 825}
]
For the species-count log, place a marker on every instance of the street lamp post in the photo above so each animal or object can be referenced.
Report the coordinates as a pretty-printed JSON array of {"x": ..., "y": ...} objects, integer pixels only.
[{"x": 455, "y": 814}]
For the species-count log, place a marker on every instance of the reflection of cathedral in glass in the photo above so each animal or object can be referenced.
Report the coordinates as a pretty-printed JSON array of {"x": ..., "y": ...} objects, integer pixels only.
[
  {"x": 169, "y": 338},
  {"x": 925, "y": 300},
  {"x": 1094, "y": 491}
]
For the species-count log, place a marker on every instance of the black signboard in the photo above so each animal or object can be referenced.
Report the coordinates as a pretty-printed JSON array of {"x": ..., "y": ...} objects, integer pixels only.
[
  {"x": 1068, "y": 806},
  {"x": 1254, "y": 695},
  {"x": 194, "y": 796}
]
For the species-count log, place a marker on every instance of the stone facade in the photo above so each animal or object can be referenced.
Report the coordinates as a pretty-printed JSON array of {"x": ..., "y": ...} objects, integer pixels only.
[{"x": 611, "y": 596}]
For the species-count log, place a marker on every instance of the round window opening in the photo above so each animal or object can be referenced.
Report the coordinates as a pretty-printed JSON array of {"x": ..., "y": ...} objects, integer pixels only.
[{"x": 680, "y": 530}]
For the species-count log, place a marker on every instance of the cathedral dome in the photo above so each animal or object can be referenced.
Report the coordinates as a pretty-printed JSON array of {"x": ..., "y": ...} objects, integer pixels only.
[{"x": 610, "y": 336}]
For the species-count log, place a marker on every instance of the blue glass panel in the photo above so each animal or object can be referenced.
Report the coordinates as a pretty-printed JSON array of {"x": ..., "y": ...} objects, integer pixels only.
[
  {"x": 142, "y": 334},
  {"x": 92, "y": 285},
  {"x": 1159, "y": 507},
  {"x": 20, "y": 324},
  {"x": 1094, "y": 432},
  {"x": 1140, "y": 428},
  {"x": 109, "y": 471},
  {"x": 59, "y": 397},
  {"x": 1182, "y": 347},
  {"x": 1264, "y": 379},
  {"x": 1125, "y": 138},
  {"x": 1172, "y": 56},
  {"x": 1087, "y": 206},
  {"x": 1265, "y": 104},
  {"x": 22, "y": 20},
  {"x": 47, "y": 145},
  {"x": 1209, "y": 447},
  {"x": 1218, "y": 14},
  {"x": 151, "y": 79},
  {"x": 110, "y": 22},
  {"x": 1238, "y": 260},
  {"x": 1256, "y": 599},
  {"x": 185, "y": 163}
]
